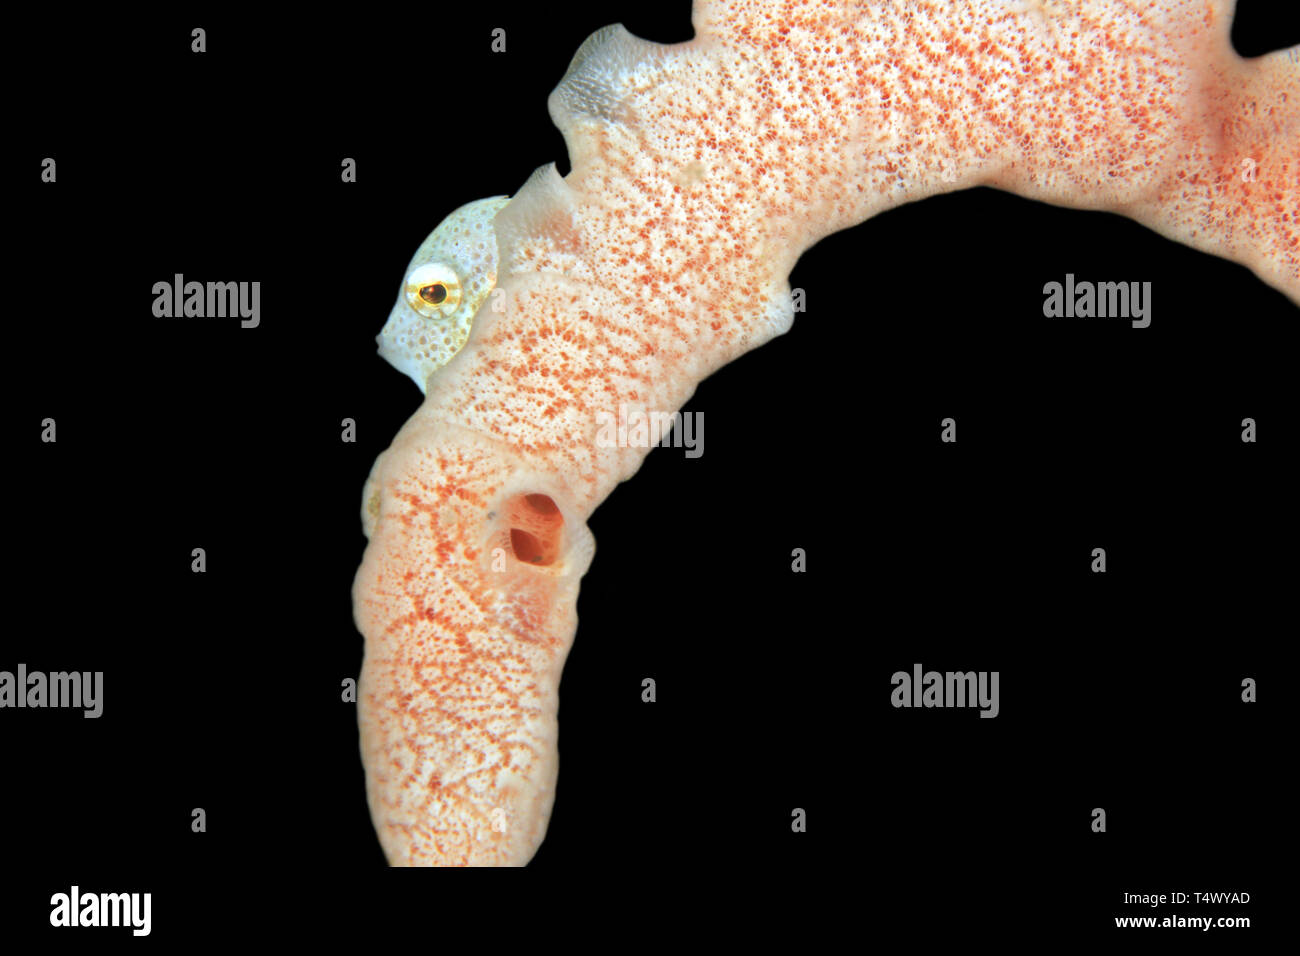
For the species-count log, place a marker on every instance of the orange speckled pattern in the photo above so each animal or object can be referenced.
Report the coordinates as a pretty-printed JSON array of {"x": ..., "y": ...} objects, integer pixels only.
[{"x": 700, "y": 172}]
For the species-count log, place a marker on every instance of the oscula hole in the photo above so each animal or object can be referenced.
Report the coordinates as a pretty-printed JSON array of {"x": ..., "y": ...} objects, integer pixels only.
[
  {"x": 536, "y": 529},
  {"x": 526, "y": 547},
  {"x": 542, "y": 504}
]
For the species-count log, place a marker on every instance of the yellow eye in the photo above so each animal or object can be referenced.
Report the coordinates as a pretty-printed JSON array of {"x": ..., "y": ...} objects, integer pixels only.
[{"x": 433, "y": 290}]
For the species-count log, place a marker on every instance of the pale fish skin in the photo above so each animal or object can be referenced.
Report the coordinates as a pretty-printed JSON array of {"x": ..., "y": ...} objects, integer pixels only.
[{"x": 460, "y": 255}]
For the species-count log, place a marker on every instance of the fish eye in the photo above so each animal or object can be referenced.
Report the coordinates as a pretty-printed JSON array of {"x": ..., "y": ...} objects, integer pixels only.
[{"x": 433, "y": 290}]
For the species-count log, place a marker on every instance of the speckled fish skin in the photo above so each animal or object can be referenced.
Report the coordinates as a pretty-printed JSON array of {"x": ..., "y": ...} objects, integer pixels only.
[
  {"x": 463, "y": 247},
  {"x": 700, "y": 172}
]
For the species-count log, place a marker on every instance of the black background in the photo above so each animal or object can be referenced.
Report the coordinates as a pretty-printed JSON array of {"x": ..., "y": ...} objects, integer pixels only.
[{"x": 222, "y": 690}]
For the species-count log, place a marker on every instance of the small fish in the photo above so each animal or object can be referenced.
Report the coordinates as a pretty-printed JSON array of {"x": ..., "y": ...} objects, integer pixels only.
[{"x": 449, "y": 278}]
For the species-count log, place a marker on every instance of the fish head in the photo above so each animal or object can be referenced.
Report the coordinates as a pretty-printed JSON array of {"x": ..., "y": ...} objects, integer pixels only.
[{"x": 449, "y": 278}]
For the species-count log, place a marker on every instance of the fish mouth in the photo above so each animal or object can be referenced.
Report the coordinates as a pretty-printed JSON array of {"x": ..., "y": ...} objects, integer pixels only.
[
  {"x": 398, "y": 357},
  {"x": 387, "y": 348},
  {"x": 384, "y": 348}
]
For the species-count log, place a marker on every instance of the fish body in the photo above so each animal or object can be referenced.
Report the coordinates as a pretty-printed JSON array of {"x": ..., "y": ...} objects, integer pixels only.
[{"x": 448, "y": 280}]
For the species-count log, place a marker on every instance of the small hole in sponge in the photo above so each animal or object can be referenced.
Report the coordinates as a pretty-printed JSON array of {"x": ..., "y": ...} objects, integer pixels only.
[
  {"x": 536, "y": 529},
  {"x": 526, "y": 546},
  {"x": 542, "y": 504}
]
